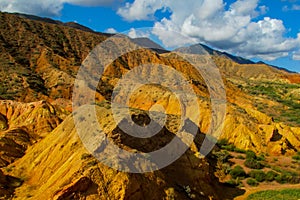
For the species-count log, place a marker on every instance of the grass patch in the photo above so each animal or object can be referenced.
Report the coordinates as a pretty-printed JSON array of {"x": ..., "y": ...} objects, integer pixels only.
[
  {"x": 289, "y": 108},
  {"x": 288, "y": 194}
]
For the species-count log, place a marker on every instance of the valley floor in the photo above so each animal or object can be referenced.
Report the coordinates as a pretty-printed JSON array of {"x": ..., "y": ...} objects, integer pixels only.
[{"x": 263, "y": 187}]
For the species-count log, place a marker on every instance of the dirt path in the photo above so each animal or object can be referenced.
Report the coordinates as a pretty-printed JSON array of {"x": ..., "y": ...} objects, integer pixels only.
[{"x": 251, "y": 190}]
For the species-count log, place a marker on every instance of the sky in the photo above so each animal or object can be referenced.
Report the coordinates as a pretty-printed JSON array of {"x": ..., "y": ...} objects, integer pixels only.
[{"x": 261, "y": 30}]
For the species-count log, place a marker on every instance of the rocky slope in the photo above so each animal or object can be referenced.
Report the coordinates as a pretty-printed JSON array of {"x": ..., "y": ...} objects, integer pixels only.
[
  {"x": 23, "y": 124},
  {"x": 59, "y": 167}
]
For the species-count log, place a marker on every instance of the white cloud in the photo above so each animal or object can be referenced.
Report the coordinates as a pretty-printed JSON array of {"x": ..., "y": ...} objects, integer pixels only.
[
  {"x": 295, "y": 7},
  {"x": 89, "y": 2},
  {"x": 234, "y": 27},
  {"x": 110, "y": 30},
  {"x": 296, "y": 55},
  {"x": 136, "y": 33},
  {"x": 263, "y": 10},
  {"x": 140, "y": 9},
  {"x": 244, "y": 7},
  {"x": 46, "y": 7}
]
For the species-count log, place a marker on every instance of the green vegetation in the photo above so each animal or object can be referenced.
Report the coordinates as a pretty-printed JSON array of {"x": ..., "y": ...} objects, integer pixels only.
[
  {"x": 287, "y": 177},
  {"x": 297, "y": 157},
  {"x": 234, "y": 182},
  {"x": 240, "y": 157},
  {"x": 252, "y": 161},
  {"x": 288, "y": 194},
  {"x": 270, "y": 176},
  {"x": 258, "y": 175},
  {"x": 238, "y": 171},
  {"x": 253, "y": 164},
  {"x": 224, "y": 144},
  {"x": 252, "y": 182},
  {"x": 250, "y": 155},
  {"x": 222, "y": 167},
  {"x": 281, "y": 93}
]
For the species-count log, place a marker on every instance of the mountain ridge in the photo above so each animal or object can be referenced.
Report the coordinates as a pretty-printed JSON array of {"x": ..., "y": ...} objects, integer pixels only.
[{"x": 150, "y": 44}]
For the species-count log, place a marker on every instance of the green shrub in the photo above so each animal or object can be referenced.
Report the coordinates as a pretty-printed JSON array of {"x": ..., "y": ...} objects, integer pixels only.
[
  {"x": 253, "y": 164},
  {"x": 270, "y": 176},
  {"x": 257, "y": 175},
  {"x": 234, "y": 182},
  {"x": 296, "y": 157},
  {"x": 252, "y": 182},
  {"x": 261, "y": 158},
  {"x": 222, "y": 142},
  {"x": 237, "y": 171},
  {"x": 288, "y": 177},
  {"x": 239, "y": 150},
  {"x": 229, "y": 147},
  {"x": 277, "y": 169},
  {"x": 222, "y": 156},
  {"x": 240, "y": 157},
  {"x": 250, "y": 155},
  {"x": 284, "y": 177}
]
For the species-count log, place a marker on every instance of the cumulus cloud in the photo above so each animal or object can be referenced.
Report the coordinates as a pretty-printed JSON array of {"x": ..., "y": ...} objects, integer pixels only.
[
  {"x": 296, "y": 55},
  {"x": 295, "y": 7},
  {"x": 110, "y": 30},
  {"x": 136, "y": 33},
  {"x": 263, "y": 10},
  {"x": 233, "y": 27},
  {"x": 89, "y": 2},
  {"x": 46, "y": 7},
  {"x": 140, "y": 10}
]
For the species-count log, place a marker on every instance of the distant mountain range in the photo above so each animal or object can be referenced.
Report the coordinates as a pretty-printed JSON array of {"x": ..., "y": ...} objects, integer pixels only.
[{"x": 146, "y": 42}]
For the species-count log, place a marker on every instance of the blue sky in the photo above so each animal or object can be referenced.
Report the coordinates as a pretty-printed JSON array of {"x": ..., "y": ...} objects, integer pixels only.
[{"x": 256, "y": 29}]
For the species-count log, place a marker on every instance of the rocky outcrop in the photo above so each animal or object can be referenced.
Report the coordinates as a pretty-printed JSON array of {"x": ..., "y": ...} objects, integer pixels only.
[
  {"x": 38, "y": 118},
  {"x": 59, "y": 167},
  {"x": 3, "y": 123},
  {"x": 74, "y": 190},
  {"x": 13, "y": 145},
  {"x": 8, "y": 185},
  {"x": 23, "y": 124}
]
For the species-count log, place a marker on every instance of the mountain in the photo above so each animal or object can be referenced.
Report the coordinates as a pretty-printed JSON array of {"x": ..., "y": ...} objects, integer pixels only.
[
  {"x": 42, "y": 156},
  {"x": 238, "y": 59},
  {"x": 235, "y": 59},
  {"x": 147, "y": 43},
  {"x": 56, "y": 22}
]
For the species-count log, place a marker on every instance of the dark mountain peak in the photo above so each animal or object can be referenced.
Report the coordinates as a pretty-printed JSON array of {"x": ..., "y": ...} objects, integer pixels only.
[
  {"x": 204, "y": 49},
  {"x": 237, "y": 59},
  {"x": 148, "y": 43},
  {"x": 276, "y": 67}
]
